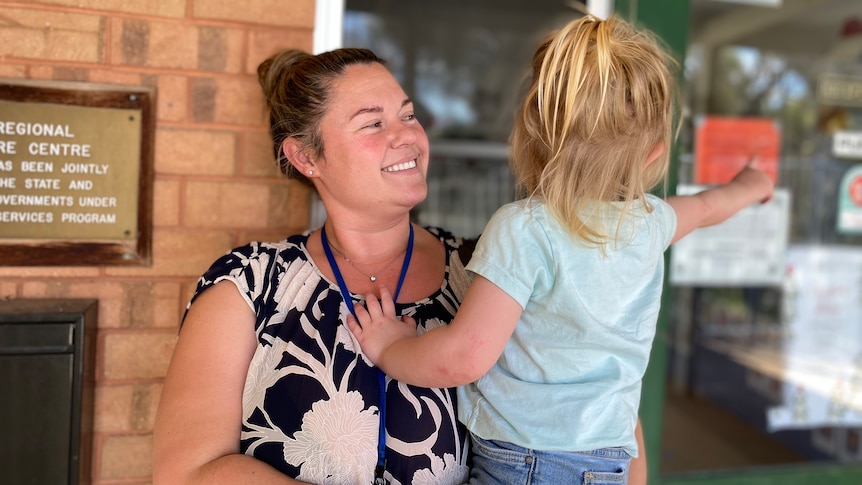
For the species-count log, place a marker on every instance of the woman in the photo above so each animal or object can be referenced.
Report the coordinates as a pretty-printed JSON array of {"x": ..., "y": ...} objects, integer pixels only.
[{"x": 266, "y": 384}]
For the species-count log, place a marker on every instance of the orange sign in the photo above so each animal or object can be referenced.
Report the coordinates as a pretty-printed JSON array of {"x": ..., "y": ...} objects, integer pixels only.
[{"x": 723, "y": 145}]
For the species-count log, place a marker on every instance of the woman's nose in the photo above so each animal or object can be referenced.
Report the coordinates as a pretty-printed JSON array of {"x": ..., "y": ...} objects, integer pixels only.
[{"x": 403, "y": 134}]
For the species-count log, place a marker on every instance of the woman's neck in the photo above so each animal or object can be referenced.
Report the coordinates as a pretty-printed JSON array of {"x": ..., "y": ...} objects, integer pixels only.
[{"x": 366, "y": 247}]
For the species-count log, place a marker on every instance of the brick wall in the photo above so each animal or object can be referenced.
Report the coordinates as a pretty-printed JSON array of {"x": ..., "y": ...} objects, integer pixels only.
[{"x": 216, "y": 184}]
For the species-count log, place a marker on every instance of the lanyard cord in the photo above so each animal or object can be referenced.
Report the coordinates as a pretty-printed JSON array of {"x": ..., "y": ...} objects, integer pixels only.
[{"x": 381, "y": 377}]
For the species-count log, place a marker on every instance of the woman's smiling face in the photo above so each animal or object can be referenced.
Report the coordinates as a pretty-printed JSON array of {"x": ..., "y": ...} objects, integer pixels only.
[{"x": 374, "y": 149}]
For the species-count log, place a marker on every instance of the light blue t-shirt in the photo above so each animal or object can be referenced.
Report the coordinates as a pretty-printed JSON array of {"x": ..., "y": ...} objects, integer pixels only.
[{"x": 570, "y": 377}]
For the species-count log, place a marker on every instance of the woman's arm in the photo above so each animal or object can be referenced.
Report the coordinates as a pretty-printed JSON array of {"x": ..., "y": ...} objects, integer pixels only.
[
  {"x": 197, "y": 430},
  {"x": 447, "y": 356},
  {"x": 638, "y": 468}
]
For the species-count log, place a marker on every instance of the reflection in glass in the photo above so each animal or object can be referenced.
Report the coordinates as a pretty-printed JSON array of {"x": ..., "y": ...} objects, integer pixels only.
[{"x": 772, "y": 374}]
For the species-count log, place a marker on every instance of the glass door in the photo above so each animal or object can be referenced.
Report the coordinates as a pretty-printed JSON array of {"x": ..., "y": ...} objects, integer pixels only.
[{"x": 757, "y": 369}]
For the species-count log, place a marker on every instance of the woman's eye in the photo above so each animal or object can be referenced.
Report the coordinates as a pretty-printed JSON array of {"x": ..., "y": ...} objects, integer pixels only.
[
  {"x": 376, "y": 124},
  {"x": 410, "y": 117}
]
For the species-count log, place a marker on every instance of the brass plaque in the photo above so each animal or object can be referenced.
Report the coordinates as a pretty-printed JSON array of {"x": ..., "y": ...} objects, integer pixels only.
[
  {"x": 76, "y": 173},
  {"x": 68, "y": 172}
]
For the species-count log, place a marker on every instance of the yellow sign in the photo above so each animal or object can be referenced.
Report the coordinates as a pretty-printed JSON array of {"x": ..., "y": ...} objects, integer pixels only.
[{"x": 69, "y": 172}]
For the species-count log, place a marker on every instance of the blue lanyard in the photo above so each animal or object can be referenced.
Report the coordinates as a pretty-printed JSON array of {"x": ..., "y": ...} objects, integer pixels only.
[{"x": 381, "y": 377}]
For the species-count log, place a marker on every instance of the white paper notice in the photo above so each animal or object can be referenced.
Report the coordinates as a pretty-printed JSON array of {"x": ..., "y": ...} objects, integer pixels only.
[{"x": 746, "y": 250}]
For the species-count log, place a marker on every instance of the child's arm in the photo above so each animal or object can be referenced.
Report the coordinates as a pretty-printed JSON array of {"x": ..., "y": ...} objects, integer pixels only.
[
  {"x": 451, "y": 355},
  {"x": 715, "y": 205}
]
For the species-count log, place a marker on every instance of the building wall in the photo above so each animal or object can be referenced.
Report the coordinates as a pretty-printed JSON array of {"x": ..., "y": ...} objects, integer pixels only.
[{"x": 216, "y": 184}]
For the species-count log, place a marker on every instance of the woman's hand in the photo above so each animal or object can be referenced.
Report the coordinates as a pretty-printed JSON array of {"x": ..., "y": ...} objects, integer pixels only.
[{"x": 378, "y": 327}]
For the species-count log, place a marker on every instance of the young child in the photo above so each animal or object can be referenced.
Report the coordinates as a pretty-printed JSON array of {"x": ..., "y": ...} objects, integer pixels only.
[{"x": 553, "y": 337}]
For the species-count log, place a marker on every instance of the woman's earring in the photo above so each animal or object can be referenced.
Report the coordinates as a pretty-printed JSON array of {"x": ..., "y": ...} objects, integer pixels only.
[{"x": 311, "y": 172}]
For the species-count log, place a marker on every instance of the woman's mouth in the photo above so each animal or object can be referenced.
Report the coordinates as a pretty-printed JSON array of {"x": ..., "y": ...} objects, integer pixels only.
[{"x": 401, "y": 166}]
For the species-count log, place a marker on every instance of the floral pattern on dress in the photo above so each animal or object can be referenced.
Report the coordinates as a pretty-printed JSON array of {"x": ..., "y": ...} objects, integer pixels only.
[{"x": 311, "y": 399}]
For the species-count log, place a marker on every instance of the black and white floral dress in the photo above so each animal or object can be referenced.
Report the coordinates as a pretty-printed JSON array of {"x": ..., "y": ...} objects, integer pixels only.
[{"x": 311, "y": 400}]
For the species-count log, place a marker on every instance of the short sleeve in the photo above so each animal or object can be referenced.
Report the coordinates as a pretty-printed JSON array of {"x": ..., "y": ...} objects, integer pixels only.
[
  {"x": 665, "y": 218},
  {"x": 514, "y": 253}
]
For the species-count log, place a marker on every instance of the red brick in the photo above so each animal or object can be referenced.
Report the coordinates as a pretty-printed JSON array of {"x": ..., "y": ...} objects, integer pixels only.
[
  {"x": 166, "y": 202},
  {"x": 126, "y": 457},
  {"x": 295, "y": 13},
  {"x": 126, "y": 407},
  {"x": 130, "y": 354},
  {"x": 195, "y": 152},
  {"x": 264, "y": 43},
  {"x": 229, "y": 205}
]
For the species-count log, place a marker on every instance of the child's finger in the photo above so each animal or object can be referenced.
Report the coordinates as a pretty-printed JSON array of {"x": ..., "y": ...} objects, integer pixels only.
[
  {"x": 409, "y": 320},
  {"x": 360, "y": 312},
  {"x": 373, "y": 306},
  {"x": 353, "y": 326},
  {"x": 386, "y": 302}
]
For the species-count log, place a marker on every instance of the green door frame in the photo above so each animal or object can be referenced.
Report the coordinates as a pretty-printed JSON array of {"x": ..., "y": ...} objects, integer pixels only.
[{"x": 669, "y": 19}]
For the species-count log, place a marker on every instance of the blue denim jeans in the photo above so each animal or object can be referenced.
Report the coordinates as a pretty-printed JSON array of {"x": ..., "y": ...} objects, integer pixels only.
[{"x": 499, "y": 462}]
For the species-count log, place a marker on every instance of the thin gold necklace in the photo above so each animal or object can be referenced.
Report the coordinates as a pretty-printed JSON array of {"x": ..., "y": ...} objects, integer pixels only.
[{"x": 373, "y": 276}]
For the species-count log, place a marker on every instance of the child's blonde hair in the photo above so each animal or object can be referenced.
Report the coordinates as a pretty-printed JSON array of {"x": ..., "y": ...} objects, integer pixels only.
[{"x": 599, "y": 103}]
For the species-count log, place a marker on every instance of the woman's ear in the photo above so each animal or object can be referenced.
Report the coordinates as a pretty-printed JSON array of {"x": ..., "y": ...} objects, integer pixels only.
[{"x": 298, "y": 157}]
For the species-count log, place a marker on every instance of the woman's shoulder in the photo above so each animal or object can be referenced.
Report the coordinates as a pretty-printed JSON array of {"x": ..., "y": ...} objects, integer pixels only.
[
  {"x": 257, "y": 254},
  {"x": 454, "y": 244}
]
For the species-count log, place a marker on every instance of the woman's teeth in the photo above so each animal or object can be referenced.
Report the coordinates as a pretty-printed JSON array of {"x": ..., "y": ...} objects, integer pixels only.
[{"x": 401, "y": 166}]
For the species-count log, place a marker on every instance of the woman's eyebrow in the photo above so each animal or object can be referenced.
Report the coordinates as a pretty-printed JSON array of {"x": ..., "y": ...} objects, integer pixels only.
[{"x": 377, "y": 109}]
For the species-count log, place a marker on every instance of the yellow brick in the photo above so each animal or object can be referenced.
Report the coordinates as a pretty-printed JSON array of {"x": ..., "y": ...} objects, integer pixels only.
[
  {"x": 264, "y": 43},
  {"x": 136, "y": 304},
  {"x": 195, "y": 152},
  {"x": 73, "y": 46},
  {"x": 13, "y": 70},
  {"x": 173, "y": 98},
  {"x": 295, "y": 13},
  {"x": 47, "y": 35},
  {"x": 183, "y": 253},
  {"x": 239, "y": 101},
  {"x": 41, "y": 71},
  {"x": 172, "y": 45},
  {"x": 161, "y": 8},
  {"x": 226, "y": 205},
  {"x": 8, "y": 290},
  {"x": 129, "y": 354},
  {"x": 289, "y": 204},
  {"x": 124, "y": 457},
  {"x": 48, "y": 271},
  {"x": 126, "y": 407},
  {"x": 256, "y": 157},
  {"x": 166, "y": 202},
  {"x": 108, "y": 76}
]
